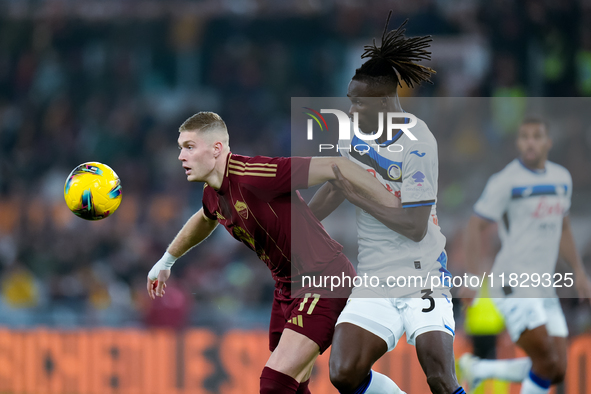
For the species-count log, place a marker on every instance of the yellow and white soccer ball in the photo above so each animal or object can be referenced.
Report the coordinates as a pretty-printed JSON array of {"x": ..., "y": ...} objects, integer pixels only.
[{"x": 93, "y": 191}]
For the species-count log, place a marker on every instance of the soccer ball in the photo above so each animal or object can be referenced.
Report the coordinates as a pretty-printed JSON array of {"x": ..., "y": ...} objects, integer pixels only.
[{"x": 93, "y": 191}]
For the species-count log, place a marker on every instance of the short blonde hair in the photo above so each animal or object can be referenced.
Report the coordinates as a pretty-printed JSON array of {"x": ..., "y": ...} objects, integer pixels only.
[{"x": 206, "y": 123}]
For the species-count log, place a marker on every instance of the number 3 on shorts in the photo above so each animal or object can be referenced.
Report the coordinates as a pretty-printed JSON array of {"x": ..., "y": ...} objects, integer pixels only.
[
  {"x": 427, "y": 296},
  {"x": 312, "y": 305}
]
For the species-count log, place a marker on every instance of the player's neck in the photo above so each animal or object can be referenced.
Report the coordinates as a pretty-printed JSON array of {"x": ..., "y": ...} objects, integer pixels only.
[
  {"x": 394, "y": 106},
  {"x": 538, "y": 166},
  {"x": 216, "y": 177}
]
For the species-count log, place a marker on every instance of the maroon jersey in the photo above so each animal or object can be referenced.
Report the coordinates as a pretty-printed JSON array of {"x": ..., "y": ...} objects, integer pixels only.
[{"x": 259, "y": 205}]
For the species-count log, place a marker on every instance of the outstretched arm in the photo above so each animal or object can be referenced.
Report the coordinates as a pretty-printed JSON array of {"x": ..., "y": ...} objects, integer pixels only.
[
  {"x": 477, "y": 226},
  {"x": 321, "y": 170},
  {"x": 410, "y": 222},
  {"x": 568, "y": 252},
  {"x": 197, "y": 228},
  {"x": 325, "y": 201}
]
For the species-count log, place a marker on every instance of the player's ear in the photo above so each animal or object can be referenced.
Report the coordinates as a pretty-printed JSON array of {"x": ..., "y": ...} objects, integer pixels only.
[{"x": 218, "y": 147}]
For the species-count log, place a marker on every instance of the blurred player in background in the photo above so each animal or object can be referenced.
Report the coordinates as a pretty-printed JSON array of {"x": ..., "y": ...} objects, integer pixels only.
[
  {"x": 252, "y": 198},
  {"x": 530, "y": 200},
  {"x": 392, "y": 241}
]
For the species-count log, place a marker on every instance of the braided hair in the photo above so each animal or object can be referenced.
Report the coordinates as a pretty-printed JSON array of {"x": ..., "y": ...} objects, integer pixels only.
[{"x": 395, "y": 59}]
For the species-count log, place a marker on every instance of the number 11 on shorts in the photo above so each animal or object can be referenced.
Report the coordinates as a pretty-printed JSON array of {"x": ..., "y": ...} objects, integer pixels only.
[{"x": 312, "y": 305}]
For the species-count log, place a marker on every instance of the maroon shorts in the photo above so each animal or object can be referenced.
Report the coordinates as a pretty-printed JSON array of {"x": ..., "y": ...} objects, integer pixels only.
[{"x": 314, "y": 317}]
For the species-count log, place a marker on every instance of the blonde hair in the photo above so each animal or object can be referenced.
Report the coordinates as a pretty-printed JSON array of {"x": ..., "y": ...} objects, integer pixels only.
[{"x": 206, "y": 124}]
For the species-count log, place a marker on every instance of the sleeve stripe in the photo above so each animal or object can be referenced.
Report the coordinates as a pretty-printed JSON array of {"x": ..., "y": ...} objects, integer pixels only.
[
  {"x": 484, "y": 217},
  {"x": 417, "y": 203},
  {"x": 235, "y": 162},
  {"x": 252, "y": 173},
  {"x": 232, "y": 165}
]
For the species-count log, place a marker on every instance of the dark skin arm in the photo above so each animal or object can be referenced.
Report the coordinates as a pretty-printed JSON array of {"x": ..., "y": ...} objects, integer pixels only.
[
  {"x": 410, "y": 222},
  {"x": 477, "y": 226},
  {"x": 325, "y": 201}
]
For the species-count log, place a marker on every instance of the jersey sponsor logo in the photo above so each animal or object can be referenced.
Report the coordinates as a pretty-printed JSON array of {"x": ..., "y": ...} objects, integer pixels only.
[
  {"x": 416, "y": 152},
  {"x": 220, "y": 216},
  {"x": 394, "y": 172},
  {"x": 263, "y": 255},
  {"x": 242, "y": 209},
  {"x": 418, "y": 177},
  {"x": 242, "y": 235},
  {"x": 545, "y": 208}
]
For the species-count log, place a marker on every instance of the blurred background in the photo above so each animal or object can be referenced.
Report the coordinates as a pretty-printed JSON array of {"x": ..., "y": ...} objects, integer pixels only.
[{"x": 112, "y": 80}]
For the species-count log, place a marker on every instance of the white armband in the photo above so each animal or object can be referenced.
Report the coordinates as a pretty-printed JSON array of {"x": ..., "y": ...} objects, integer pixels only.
[{"x": 165, "y": 263}]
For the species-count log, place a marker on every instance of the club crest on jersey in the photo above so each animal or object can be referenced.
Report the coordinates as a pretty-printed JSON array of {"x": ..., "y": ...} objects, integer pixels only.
[
  {"x": 418, "y": 177},
  {"x": 394, "y": 172},
  {"x": 242, "y": 209}
]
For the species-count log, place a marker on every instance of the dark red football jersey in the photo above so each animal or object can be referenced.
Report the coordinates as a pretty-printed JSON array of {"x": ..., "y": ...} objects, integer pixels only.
[{"x": 259, "y": 205}]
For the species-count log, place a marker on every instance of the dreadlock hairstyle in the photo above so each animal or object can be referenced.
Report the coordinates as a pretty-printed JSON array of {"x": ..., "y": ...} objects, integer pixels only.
[{"x": 396, "y": 59}]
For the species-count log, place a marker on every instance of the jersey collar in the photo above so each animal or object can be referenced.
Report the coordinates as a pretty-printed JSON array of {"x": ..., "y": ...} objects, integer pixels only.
[
  {"x": 536, "y": 171},
  {"x": 395, "y": 138}
]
